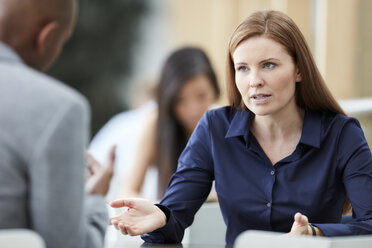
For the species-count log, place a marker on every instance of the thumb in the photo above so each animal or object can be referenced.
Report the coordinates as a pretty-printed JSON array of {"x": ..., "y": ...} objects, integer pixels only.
[
  {"x": 301, "y": 219},
  {"x": 111, "y": 157},
  {"x": 122, "y": 203},
  {"x": 91, "y": 161}
]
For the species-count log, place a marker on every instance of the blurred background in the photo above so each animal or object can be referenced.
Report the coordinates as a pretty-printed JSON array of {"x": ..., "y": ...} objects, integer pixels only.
[{"x": 118, "y": 44}]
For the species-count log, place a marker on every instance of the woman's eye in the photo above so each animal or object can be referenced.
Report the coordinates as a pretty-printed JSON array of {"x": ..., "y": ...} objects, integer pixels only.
[
  {"x": 242, "y": 68},
  {"x": 269, "y": 65}
]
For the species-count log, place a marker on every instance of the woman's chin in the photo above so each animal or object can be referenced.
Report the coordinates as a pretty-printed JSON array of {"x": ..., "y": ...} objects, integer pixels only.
[{"x": 260, "y": 111}]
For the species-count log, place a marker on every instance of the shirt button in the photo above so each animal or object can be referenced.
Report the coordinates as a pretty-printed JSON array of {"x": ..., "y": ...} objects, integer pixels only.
[
  {"x": 272, "y": 173},
  {"x": 268, "y": 204}
]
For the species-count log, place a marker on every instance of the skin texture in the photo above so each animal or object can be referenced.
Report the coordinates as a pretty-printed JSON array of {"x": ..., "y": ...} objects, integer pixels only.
[
  {"x": 193, "y": 100},
  {"x": 40, "y": 39},
  {"x": 141, "y": 216},
  {"x": 262, "y": 66}
]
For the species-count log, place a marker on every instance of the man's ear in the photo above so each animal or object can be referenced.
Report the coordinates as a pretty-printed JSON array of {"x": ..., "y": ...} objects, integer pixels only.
[{"x": 46, "y": 36}]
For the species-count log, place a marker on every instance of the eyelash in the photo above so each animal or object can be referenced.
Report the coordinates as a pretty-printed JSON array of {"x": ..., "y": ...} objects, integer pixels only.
[
  {"x": 271, "y": 66},
  {"x": 242, "y": 68}
]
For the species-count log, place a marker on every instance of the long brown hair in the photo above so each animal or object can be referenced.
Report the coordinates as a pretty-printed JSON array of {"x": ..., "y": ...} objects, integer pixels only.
[
  {"x": 311, "y": 93},
  {"x": 182, "y": 65}
]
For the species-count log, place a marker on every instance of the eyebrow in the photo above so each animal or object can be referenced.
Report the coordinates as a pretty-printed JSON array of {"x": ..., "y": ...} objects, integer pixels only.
[
  {"x": 240, "y": 63},
  {"x": 261, "y": 62},
  {"x": 268, "y": 59}
]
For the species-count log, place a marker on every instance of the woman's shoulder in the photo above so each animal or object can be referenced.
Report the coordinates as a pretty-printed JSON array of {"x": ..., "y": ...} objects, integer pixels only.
[
  {"x": 331, "y": 119},
  {"x": 221, "y": 113},
  {"x": 152, "y": 117},
  {"x": 224, "y": 117},
  {"x": 338, "y": 123},
  {"x": 150, "y": 123}
]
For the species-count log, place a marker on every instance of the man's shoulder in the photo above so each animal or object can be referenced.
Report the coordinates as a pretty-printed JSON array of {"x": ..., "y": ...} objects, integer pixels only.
[
  {"x": 55, "y": 89},
  {"x": 36, "y": 87},
  {"x": 33, "y": 99}
]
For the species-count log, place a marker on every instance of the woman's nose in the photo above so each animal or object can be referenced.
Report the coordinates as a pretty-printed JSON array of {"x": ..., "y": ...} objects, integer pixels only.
[{"x": 255, "y": 79}]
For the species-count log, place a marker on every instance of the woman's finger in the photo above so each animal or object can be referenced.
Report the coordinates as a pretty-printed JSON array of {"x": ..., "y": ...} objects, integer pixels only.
[{"x": 123, "y": 229}]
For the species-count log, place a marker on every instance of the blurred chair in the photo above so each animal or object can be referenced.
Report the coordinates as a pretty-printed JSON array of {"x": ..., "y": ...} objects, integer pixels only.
[
  {"x": 264, "y": 239},
  {"x": 208, "y": 227},
  {"x": 261, "y": 239},
  {"x": 20, "y": 238}
]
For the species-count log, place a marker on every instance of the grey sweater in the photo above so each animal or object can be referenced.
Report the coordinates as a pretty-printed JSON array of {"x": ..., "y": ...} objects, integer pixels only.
[{"x": 43, "y": 134}]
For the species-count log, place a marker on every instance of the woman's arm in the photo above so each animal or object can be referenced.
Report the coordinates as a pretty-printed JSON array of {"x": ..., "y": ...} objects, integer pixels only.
[
  {"x": 355, "y": 160},
  {"x": 187, "y": 190},
  {"x": 145, "y": 157}
]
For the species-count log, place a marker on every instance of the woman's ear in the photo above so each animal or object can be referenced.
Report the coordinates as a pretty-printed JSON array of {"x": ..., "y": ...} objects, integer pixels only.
[
  {"x": 298, "y": 76},
  {"x": 46, "y": 36}
]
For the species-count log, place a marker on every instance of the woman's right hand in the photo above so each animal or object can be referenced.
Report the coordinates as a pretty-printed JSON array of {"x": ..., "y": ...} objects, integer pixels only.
[
  {"x": 99, "y": 177},
  {"x": 140, "y": 217}
]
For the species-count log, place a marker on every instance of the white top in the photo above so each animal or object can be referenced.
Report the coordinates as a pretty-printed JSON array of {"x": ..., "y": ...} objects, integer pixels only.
[{"x": 124, "y": 130}]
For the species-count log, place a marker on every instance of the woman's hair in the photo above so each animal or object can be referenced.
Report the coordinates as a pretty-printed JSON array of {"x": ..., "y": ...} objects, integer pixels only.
[
  {"x": 311, "y": 93},
  {"x": 180, "y": 66}
]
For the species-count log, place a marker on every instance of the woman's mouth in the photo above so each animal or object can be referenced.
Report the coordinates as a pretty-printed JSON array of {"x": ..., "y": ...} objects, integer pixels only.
[{"x": 260, "y": 98}]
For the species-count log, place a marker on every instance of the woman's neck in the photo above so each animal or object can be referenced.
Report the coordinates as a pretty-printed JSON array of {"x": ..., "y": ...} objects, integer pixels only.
[
  {"x": 188, "y": 132},
  {"x": 281, "y": 125},
  {"x": 278, "y": 135}
]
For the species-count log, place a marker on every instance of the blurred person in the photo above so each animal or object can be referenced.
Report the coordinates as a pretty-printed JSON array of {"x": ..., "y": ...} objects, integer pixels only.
[
  {"x": 124, "y": 131},
  {"x": 142, "y": 90},
  {"x": 44, "y": 129},
  {"x": 284, "y": 156},
  {"x": 187, "y": 89}
]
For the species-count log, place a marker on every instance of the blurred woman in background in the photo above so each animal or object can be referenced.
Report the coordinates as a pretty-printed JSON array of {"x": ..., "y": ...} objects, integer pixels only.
[{"x": 187, "y": 89}]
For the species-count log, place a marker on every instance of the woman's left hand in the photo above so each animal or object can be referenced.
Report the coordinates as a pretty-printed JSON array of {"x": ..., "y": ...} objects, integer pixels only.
[{"x": 300, "y": 225}]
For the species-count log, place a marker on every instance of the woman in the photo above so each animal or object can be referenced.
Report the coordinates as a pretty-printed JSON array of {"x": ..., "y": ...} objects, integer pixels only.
[
  {"x": 187, "y": 89},
  {"x": 283, "y": 155}
]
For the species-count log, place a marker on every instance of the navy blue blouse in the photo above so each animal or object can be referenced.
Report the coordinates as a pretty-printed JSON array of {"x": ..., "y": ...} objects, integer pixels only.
[{"x": 332, "y": 160}]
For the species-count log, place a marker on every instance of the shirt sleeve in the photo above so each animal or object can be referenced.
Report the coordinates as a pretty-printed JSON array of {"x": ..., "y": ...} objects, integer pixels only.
[
  {"x": 354, "y": 157},
  {"x": 59, "y": 210},
  {"x": 188, "y": 188}
]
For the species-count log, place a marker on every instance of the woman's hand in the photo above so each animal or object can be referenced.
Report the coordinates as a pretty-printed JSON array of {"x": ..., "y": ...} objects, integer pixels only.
[
  {"x": 140, "y": 217},
  {"x": 300, "y": 225},
  {"x": 99, "y": 177}
]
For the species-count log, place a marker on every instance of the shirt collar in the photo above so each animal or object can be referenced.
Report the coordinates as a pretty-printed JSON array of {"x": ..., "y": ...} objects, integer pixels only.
[
  {"x": 240, "y": 124},
  {"x": 311, "y": 129},
  {"x": 7, "y": 53}
]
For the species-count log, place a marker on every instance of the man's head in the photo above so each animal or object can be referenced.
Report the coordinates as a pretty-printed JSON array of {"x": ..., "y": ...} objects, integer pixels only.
[{"x": 37, "y": 29}]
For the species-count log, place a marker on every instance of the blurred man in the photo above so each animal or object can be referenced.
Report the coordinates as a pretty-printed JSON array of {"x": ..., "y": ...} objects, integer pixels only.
[{"x": 44, "y": 130}]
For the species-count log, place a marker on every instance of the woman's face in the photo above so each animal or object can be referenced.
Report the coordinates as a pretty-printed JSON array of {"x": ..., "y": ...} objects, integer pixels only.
[
  {"x": 265, "y": 76},
  {"x": 193, "y": 100}
]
